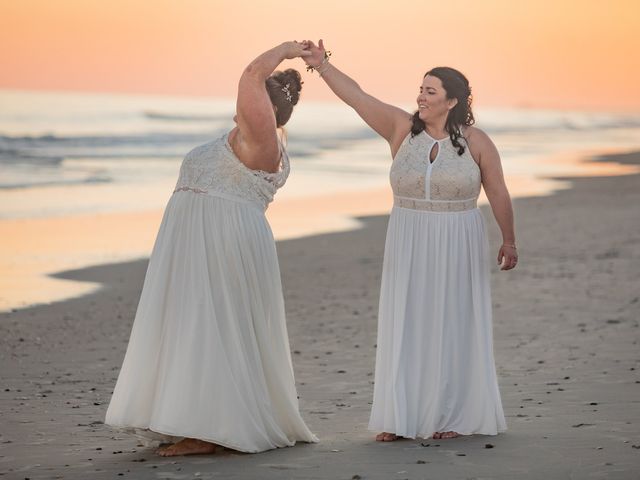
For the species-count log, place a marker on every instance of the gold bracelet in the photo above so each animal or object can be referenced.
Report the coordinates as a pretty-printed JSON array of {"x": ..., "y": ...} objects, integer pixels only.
[
  {"x": 507, "y": 245},
  {"x": 311, "y": 68}
]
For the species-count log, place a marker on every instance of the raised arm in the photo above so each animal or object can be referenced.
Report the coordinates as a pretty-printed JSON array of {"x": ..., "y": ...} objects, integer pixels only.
[
  {"x": 257, "y": 145},
  {"x": 390, "y": 122},
  {"x": 488, "y": 158}
]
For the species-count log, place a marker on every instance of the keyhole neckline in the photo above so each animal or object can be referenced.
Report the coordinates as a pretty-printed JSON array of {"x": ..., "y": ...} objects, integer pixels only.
[{"x": 435, "y": 139}]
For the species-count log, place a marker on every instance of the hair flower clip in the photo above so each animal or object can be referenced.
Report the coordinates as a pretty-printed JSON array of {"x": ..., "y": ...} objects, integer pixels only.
[{"x": 287, "y": 92}]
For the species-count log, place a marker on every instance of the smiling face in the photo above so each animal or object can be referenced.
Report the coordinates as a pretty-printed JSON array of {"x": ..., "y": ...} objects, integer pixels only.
[{"x": 432, "y": 101}]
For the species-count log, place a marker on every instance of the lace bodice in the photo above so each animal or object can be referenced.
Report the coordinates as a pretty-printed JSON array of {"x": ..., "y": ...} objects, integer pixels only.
[
  {"x": 450, "y": 183},
  {"x": 213, "y": 168}
]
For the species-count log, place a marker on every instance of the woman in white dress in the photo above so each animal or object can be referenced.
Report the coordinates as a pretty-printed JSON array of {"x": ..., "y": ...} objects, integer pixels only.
[
  {"x": 435, "y": 374},
  {"x": 208, "y": 361}
]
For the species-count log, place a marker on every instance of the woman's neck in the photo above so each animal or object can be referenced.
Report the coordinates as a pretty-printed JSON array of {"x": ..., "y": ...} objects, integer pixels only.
[{"x": 436, "y": 130}]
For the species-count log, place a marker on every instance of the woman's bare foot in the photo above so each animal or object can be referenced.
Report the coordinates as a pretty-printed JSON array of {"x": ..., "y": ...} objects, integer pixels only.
[
  {"x": 187, "y": 446},
  {"x": 387, "y": 437},
  {"x": 439, "y": 435}
]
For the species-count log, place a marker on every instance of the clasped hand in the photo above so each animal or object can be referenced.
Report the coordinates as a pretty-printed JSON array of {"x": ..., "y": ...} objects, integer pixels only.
[
  {"x": 311, "y": 53},
  {"x": 294, "y": 49}
]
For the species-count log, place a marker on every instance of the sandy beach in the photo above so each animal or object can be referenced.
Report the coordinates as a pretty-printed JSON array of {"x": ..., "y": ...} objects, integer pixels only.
[{"x": 566, "y": 334}]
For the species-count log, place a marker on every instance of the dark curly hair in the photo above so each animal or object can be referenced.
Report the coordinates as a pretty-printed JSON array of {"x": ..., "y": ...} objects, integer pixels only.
[
  {"x": 457, "y": 86},
  {"x": 275, "y": 85}
]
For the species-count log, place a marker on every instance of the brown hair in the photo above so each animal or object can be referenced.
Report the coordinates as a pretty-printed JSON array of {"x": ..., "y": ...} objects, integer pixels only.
[
  {"x": 457, "y": 86},
  {"x": 276, "y": 84}
]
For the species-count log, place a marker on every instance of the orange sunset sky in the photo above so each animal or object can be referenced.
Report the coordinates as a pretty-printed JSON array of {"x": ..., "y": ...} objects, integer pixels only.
[{"x": 542, "y": 53}]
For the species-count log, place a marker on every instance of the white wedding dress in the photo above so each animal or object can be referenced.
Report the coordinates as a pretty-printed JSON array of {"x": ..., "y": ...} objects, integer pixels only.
[
  {"x": 434, "y": 362},
  {"x": 208, "y": 356}
]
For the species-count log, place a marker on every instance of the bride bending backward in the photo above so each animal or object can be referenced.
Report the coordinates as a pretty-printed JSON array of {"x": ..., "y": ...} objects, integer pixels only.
[{"x": 208, "y": 363}]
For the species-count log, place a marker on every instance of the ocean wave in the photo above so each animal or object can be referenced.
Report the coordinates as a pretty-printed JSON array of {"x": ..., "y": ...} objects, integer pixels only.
[
  {"x": 491, "y": 120},
  {"x": 186, "y": 117},
  {"x": 307, "y": 138},
  {"x": 94, "y": 179},
  {"x": 17, "y": 156},
  {"x": 102, "y": 140},
  {"x": 523, "y": 121},
  {"x": 52, "y": 149}
]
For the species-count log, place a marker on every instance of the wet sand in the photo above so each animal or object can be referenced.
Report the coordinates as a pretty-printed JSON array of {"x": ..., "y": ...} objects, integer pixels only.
[
  {"x": 32, "y": 247},
  {"x": 42, "y": 231},
  {"x": 567, "y": 335}
]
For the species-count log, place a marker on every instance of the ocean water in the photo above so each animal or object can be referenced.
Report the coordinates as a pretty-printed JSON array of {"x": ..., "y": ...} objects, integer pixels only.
[
  {"x": 84, "y": 178},
  {"x": 123, "y": 152}
]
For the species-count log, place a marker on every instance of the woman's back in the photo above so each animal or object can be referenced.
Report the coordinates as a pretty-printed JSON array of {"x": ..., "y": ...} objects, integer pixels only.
[{"x": 214, "y": 169}]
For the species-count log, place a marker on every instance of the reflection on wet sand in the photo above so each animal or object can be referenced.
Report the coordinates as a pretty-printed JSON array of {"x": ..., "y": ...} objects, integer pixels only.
[{"x": 31, "y": 249}]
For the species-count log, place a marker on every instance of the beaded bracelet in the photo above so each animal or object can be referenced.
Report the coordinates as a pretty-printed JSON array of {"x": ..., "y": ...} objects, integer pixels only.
[
  {"x": 325, "y": 60},
  {"x": 324, "y": 66}
]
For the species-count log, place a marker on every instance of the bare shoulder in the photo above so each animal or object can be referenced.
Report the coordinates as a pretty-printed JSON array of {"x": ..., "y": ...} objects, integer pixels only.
[
  {"x": 476, "y": 135},
  {"x": 404, "y": 124},
  {"x": 403, "y": 129},
  {"x": 480, "y": 144}
]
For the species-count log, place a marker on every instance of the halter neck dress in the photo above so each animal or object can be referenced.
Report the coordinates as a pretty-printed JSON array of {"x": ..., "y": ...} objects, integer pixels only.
[
  {"x": 208, "y": 355},
  {"x": 435, "y": 368}
]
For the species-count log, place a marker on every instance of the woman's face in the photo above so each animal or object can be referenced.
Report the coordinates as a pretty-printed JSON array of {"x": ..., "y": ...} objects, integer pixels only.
[{"x": 432, "y": 100}]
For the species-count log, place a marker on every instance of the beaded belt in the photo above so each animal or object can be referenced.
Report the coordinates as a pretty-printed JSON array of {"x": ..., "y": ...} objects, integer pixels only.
[
  {"x": 226, "y": 196},
  {"x": 435, "y": 205}
]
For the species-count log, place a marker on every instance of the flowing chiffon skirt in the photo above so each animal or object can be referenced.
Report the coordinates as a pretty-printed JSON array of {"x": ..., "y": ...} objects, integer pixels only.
[
  {"x": 208, "y": 355},
  {"x": 435, "y": 369}
]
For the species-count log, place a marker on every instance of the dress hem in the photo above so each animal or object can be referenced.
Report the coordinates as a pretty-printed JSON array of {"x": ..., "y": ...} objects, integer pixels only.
[
  {"x": 141, "y": 431},
  {"x": 426, "y": 436}
]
